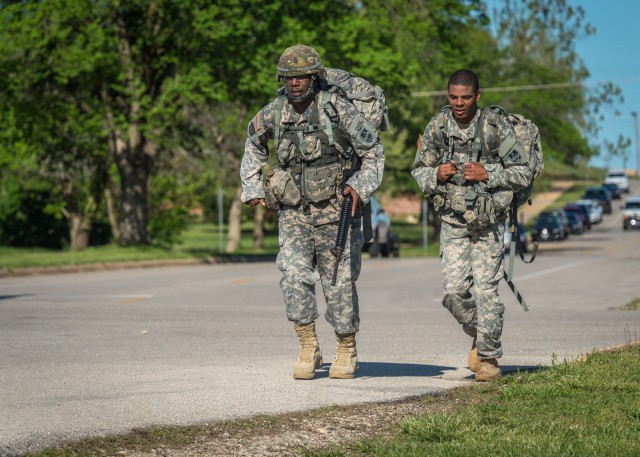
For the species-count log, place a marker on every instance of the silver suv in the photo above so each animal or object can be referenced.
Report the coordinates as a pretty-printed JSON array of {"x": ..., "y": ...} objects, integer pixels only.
[{"x": 619, "y": 178}]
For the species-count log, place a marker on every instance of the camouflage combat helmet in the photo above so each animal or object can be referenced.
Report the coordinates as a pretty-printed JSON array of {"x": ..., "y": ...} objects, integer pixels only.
[{"x": 299, "y": 60}]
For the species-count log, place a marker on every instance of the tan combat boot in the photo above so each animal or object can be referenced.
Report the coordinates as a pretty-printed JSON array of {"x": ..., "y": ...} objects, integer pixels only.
[
  {"x": 346, "y": 363},
  {"x": 473, "y": 362},
  {"x": 310, "y": 357},
  {"x": 488, "y": 370}
]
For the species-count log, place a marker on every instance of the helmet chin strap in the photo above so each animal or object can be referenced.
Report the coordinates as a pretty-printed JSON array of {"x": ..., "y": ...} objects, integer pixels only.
[{"x": 310, "y": 92}]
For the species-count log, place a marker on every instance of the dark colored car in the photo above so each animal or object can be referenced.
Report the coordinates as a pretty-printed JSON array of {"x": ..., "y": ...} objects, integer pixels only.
[
  {"x": 562, "y": 215},
  {"x": 575, "y": 223},
  {"x": 601, "y": 195},
  {"x": 582, "y": 211},
  {"x": 548, "y": 227},
  {"x": 613, "y": 189}
]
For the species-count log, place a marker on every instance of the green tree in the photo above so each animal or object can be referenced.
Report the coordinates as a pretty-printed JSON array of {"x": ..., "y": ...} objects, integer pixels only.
[
  {"x": 125, "y": 72},
  {"x": 538, "y": 39}
]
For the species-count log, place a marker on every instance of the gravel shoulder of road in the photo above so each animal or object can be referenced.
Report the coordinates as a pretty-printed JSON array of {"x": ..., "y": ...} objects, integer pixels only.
[{"x": 283, "y": 435}]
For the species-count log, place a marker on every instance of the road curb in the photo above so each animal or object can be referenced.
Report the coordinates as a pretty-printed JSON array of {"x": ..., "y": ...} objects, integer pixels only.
[{"x": 93, "y": 267}]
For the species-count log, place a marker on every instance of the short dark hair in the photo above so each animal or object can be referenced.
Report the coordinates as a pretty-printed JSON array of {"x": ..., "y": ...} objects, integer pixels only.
[{"x": 464, "y": 78}]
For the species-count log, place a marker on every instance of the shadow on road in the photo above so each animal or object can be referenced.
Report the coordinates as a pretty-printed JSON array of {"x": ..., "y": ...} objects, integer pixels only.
[
  {"x": 7, "y": 297},
  {"x": 389, "y": 370},
  {"x": 398, "y": 370}
]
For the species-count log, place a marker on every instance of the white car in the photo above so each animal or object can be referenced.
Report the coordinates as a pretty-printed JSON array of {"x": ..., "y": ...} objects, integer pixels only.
[
  {"x": 619, "y": 178},
  {"x": 631, "y": 213},
  {"x": 595, "y": 210}
]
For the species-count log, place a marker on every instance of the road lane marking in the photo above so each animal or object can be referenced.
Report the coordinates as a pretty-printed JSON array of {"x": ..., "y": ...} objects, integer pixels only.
[
  {"x": 133, "y": 300},
  {"x": 549, "y": 270}
]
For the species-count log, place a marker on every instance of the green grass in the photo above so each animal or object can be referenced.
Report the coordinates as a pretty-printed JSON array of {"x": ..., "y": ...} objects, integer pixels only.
[
  {"x": 412, "y": 239},
  {"x": 633, "y": 305},
  {"x": 588, "y": 408},
  {"x": 574, "y": 193},
  {"x": 199, "y": 241}
]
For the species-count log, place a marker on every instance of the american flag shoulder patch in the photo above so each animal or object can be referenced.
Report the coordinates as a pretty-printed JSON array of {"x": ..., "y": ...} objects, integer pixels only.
[{"x": 257, "y": 122}]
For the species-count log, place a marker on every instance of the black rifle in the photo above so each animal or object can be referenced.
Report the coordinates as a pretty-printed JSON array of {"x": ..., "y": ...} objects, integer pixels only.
[{"x": 345, "y": 218}]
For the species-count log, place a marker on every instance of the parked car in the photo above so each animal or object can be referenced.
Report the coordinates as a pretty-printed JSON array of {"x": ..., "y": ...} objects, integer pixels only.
[
  {"x": 616, "y": 193},
  {"x": 576, "y": 226},
  {"x": 595, "y": 210},
  {"x": 631, "y": 213},
  {"x": 563, "y": 218},
  {"x": 548, "y": 227},
  {"x": 601, "y": 195},
  {"x": 619, "y": 178},
  {"x": 523, "y": 235},
  {"x": 582, "y": 211}
]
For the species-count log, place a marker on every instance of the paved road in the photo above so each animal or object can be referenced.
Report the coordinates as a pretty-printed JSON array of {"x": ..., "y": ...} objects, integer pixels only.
[{"x": 102, "y": 353}]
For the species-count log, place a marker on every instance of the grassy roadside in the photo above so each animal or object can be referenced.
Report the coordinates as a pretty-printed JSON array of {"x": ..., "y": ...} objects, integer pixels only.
[{"x": 587, "y": 407}]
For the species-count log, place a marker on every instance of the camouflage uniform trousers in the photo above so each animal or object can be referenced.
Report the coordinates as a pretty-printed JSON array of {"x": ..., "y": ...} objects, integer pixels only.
[
  {"x": 305, "y": 256},
  {"x": 474, "y": 259}
]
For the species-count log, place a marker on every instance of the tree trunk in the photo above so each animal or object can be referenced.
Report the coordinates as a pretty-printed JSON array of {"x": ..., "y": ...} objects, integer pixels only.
[
  {"x": 79, "y": 230},
  {"x": 133, "y": 209},
  {"x": 235, "y": 215},
  {"x": 134, "y": 159},
  {"x": 258, "y": 227},
  {"x": 113, "y": 215}
]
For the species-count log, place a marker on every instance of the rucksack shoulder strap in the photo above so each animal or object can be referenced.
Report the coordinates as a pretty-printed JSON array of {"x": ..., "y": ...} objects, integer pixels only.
[
  {"x": 439, "y": 125},
  {"x": 493, "y": 113},
  {"x": 331, "y": 118},
  {"x": 277, "y": 114}
]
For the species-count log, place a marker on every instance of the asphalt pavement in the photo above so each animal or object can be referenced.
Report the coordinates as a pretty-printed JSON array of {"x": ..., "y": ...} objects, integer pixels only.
[{"x": 98, "y": 353}]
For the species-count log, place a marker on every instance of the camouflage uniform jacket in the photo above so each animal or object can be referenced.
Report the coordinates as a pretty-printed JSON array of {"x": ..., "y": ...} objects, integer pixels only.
[
  {"x": 502, "y": 162},
  {"x": 261, "y": 129}
]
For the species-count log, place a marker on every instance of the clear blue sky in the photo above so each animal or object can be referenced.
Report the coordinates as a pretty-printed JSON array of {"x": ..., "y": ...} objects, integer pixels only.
[{"x": 613, "y": 54}]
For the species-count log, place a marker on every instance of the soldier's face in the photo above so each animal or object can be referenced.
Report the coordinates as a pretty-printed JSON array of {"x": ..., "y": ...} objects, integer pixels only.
[
  {"x": 297, "y": 86},
  {"x": 464, "y": 102}
]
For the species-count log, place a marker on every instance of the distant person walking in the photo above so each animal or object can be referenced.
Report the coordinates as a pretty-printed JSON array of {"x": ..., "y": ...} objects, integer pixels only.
[{"x": 471, "y": 185}]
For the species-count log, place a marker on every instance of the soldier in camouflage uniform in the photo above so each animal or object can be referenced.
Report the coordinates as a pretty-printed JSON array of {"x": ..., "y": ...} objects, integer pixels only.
[
  {"x": 317, "y": 135},
  {"x": 471, "y": 185}
]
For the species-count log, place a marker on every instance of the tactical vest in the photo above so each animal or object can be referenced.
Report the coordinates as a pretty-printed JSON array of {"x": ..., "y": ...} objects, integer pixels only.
[
  {"x": 315, "y": 153},
  {"x": 474, "y": 200}
]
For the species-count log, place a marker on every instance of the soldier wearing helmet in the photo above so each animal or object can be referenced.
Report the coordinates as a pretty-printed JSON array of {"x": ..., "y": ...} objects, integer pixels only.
[
  {"x": 317, "y": 135},
  {"x": 300, "y": 63}
]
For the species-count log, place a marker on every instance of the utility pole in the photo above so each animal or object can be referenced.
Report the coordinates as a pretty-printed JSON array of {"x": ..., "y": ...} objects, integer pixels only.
[{"x": 635, "y": 119}]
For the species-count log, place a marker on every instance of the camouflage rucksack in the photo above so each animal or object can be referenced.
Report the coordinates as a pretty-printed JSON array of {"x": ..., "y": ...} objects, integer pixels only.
[
  {"x": 367, "y": 97},
  {"x": 529, "y": 136}
]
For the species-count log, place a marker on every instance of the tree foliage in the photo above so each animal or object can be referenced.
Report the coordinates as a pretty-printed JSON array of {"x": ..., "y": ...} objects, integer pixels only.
[{"x": 145, "y": 102}]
